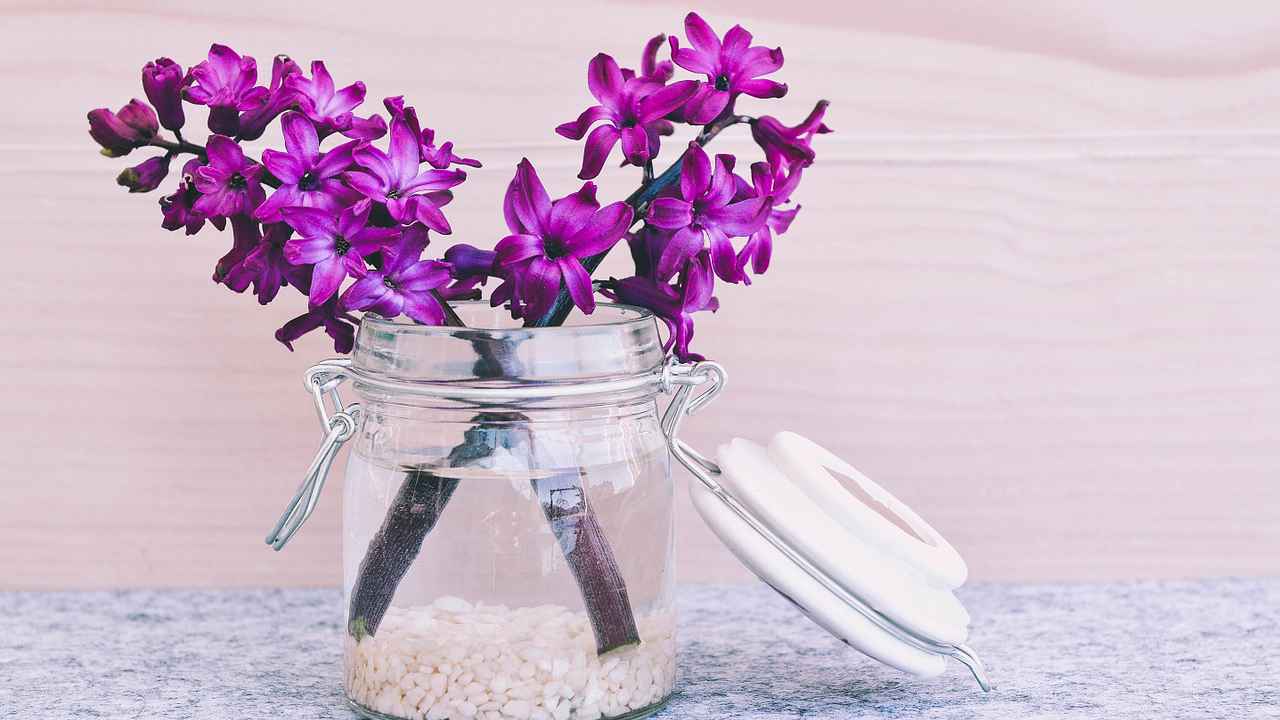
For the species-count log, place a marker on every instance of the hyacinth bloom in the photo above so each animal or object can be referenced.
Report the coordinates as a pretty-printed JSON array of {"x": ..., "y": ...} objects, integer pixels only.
[
  {"x": 767, "y": 182},
  {"x": 120, "y": 132},
  {"x": 308, "y": 178},
  {"x": 337, "y": 324},
  {"x": 260, "y": 261},
  {"x": 786, "y": 147},
  {"x": 705, "y": 212},
  {"x": 549, "y": 240},
  {"x": 329, "y": 108},
  {"x": 335, "y": 243},
  {"x": 439, "y": 157},
  {"x": 146, "y": 175},
  {"x": 404, "y": 283},
  {"x": 280, "y": 97},
  {"x": 231, "y": 184},
  {"x": 732, "y": 67},
  {"x": 396, "y": 178},
  {"x": 226, "y": 83},
  {"x": 673, "y": 304},
  {"x": 162, "y": 82},
  {"x": 179, "y": 208},
  {"x": 632, "y": 110}
]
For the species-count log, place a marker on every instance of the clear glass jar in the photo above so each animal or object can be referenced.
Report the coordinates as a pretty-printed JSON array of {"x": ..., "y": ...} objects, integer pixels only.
[{"x": 507, "y": 522}]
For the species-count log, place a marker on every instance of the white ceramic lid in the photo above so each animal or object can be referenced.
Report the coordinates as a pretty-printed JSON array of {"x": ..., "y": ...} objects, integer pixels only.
[{"x": 855, "y": 559}]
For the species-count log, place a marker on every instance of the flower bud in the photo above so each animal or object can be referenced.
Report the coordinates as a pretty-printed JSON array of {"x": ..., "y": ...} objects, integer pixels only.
[
  {"x": 139, "y": 116},
  {"x": 109, "y": 131},
  {"x": 146, "y": 175},
  {"x": 162, "y": 82},
  {"x": 469, "y": 261}
]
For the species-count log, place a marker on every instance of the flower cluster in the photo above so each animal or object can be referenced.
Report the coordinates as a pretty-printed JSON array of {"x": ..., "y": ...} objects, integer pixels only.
[
  {"x": 338, "y": 205},
  {"x": 330, "y": 207}
]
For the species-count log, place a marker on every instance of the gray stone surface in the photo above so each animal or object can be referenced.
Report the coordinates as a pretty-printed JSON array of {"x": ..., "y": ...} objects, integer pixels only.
[{"x": 1142, "y": 650}]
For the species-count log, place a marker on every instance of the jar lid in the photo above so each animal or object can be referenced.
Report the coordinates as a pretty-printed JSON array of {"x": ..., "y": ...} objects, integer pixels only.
[{"x": 855, "y": 559}]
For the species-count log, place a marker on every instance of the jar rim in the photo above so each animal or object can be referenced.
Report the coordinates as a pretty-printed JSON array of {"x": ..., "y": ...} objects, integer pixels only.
[{"x": 617, "y": 345}]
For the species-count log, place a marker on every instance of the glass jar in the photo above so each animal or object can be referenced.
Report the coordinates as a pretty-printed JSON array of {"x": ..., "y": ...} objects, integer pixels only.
[{"x": 507, "y": 521}]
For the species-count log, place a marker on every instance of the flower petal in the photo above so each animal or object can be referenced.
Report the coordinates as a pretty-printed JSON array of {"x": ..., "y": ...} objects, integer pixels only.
[
  {"x": 286, "y": 196},
  {"x": 599, "y": 144},
  {"x": 539, "y": 286},
  {"x": 663, "y": 102},
  {"x": 683, "y": 245},
  {"x": 283, "y": 165},
  {"x": 701, "y": 34},
  {"x": 326, "y": 278},
  {"x": 736, "y": 40},
  {"x": 723, "y": 257},
  {"x": 365, "y": 184},
  {"x": 578, "y": 282},
  {"x": 376, "y": 162},
  {"x": 741, "y": 218},
  {"x": 422, "y": 308},
  {"x": 404, "y": 153},
  {"x": 605, "y": 80},
  {"x": 310, "y": 222},
  {"x": 300, "y": 137},
  {"x": 670, "y": 213},
  {"x": 429, "y": 214},
  {"x": 571, "y": 212},
  {"x": 635, "y": 145},
  {"x": 760, "y": 88},
  {"x": 514, "y": 249},
  {"x": 433, "y": 180},
  {"x": 336, "y": 160},
  {"x": 532, "y": 204},
  {"x": 695, "y": 173},
  {"x": 576, "y": 129},
  {"x": 365, "y": 292},
  {"x": 602, "y": 231},
  {"x": 705, "y": 105}
]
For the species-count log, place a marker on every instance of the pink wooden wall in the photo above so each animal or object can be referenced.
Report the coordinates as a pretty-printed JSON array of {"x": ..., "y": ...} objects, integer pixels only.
[{"x": 1034, "y": 288}]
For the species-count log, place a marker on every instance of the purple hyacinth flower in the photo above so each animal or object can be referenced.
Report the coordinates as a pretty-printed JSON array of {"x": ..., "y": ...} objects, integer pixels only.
[
  {"x": 439, "y": 157},
  {"x": 261, "y": 262},
  {"x": 280, "y": 97},
  {"x": 549, "y": 240},
  {"x": 467, "y": 261},
  {"x": 308, "y": 177},
  {"x": 404, "y": 283},
  {"x": 705, "y": 213},
  {"x": 179, "y": 208},
  {"x": 226, "y": 83},
  {"x": 633, "y": 110},
  {"x": 732, "y": 67},
  {"x": 146, "y": 175},
  {"x": 336, "y": 244},
  {"x": 673, "y": 304},
  {"x": 650, "y": 68},
  {"x": 120, "y": 132},
  {"x": 786, "y": 147},
  {"x": 329, "y": 108},
  {"x": 395, "y": 178},
  {"x": 231, "y": 184},
  {"x": 337, "y": 324},
  {"x": 162, "y": 81},
  {"x": 245, "y": 236},
  {"x": 767, "y": 182}
]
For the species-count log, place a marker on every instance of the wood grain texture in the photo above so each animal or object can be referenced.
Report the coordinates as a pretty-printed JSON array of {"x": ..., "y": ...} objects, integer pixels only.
[{"x": 1033, "y": 288}]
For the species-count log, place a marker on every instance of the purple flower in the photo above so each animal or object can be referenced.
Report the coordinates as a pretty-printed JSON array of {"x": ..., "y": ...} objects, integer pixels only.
[
  {"x": 766, "y": 182},
  {"x": 245, "y": 235},
  {"x": 633, "y": 110},
  {"x": 259, "y": 261},
  {"x": 162, "y": 82},
  {"x": 705, "y": 212},
  {"x": 179, "y": 208},
  {"x": 789, "y": 147},
  {"x": 467, "y": 261},
  {"x": 549, "y": 239},
  {"x": 146, "y": 175},
  {"x": 404, "y": 283},
  {"x": 308, "y": 178},
  {"x": 650, "y": 68},
  {"x": 280, "y": 97},
  {"x": 397, "y": 180},
  {"x": 336, "y": 323},
  {"x": 437, "y": 157},
  {"x": 673, "y": 304},
  {"x": 731, "y": 67},
  {"x": 119, "y": 133},
  {"x": 230, "y": 184},
  {"x": 335, "y": 243},
  {"x": 328, "y": 108},
  {"x": 226, "y": 83}
]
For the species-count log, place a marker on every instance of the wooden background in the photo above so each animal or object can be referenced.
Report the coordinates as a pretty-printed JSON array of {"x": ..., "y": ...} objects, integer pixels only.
[{"x": 1035, "y": 288}]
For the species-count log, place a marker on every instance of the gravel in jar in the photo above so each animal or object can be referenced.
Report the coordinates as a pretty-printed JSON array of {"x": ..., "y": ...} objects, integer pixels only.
[{"x": 455, "y": 660}]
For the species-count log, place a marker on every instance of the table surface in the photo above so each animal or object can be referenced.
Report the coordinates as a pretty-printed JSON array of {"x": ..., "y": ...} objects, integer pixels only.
[{"x": 1147, "y": 649}]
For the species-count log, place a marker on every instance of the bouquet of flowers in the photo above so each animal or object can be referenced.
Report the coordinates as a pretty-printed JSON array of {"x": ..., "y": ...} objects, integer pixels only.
[{"x": 344, "y": 214}]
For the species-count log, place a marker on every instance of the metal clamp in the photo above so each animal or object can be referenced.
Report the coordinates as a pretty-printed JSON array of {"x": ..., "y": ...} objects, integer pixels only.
[
  {"x": 688, "y": 377},
  {"x": 339, "y": 423}
]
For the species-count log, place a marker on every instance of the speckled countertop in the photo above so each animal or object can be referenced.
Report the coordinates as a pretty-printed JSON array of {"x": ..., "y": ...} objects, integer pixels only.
[{"x": 1143, "y": 650}]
